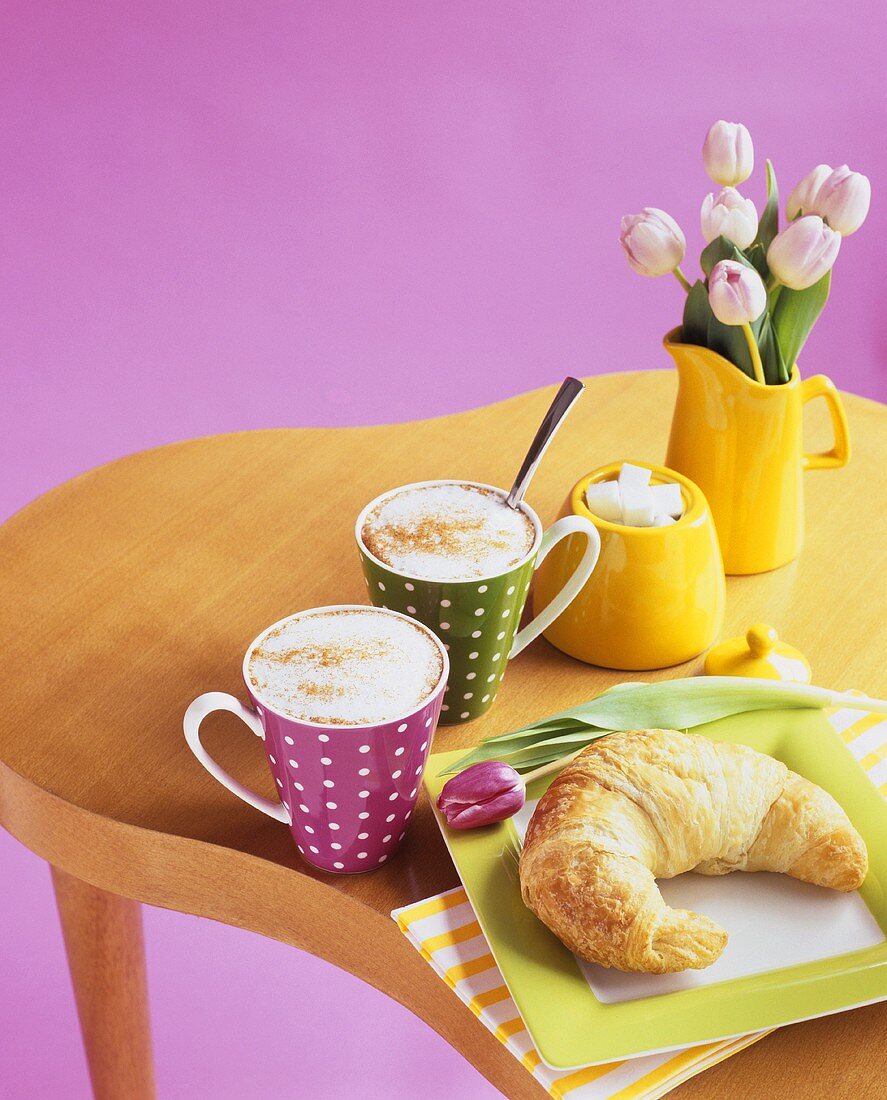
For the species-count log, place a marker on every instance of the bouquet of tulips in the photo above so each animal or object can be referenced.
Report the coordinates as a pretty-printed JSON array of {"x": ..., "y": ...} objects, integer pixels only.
[{"x": 763, "y": 289}]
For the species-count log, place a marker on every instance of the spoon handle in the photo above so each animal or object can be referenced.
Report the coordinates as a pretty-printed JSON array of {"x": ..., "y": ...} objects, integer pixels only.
[{"x": 560, "y": 406}]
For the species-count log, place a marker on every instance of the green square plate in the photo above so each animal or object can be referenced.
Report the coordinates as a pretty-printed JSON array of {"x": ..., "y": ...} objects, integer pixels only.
[{"x": 571, "y": 1026}]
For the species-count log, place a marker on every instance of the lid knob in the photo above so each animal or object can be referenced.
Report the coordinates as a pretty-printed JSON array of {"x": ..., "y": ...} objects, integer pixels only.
[
  {"x": 760, "y": 654},
  {"x": 761, "y": 639}
]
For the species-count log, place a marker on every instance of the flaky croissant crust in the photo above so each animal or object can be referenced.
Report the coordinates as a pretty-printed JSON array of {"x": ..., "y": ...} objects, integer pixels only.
[{"x": 648, "y": 804}]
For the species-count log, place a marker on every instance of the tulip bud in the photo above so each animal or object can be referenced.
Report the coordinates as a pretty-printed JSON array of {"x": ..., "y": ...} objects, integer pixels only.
[
  {"x": 731, "y": 216},
  {"x": 653, "y": 241},
  {"x": 843, "y": 200},
  {"x": 803, "y": 252},
  {"x": 802, "y": 200},
  {"x": 483, "y": 793},
  {"x": 736, "y": 293},
  {"x": 728, "y": 153}
]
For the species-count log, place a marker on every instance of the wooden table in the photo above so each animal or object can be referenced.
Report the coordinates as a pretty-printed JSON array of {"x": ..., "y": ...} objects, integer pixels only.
[{"x": 131, "y": 589}]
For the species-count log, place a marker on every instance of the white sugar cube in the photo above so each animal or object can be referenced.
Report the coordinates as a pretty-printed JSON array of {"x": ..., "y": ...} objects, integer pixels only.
[
  {"x": 637, "y": 505},
  {"x": 604, "y": 500},
  {"x": 667, "y": 499},
  {"x": 663, "y": 521},
  {"x": 633, "y": 477}
]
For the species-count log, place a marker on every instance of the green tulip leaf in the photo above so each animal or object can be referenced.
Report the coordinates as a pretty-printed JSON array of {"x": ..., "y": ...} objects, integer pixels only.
[
  {"x": 795, "y": 313},
  {"x": 696, "y": 314},
  {"x": 768, "y": 226}
]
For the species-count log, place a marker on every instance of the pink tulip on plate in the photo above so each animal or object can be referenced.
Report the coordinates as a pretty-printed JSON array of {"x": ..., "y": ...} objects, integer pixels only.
[{"x": 481, "y": 794}]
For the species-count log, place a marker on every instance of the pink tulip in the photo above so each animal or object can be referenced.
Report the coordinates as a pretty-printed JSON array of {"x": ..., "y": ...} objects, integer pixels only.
[
  {"x": 729, "y": 215},
  {"x": 483, "y": 793},
  {"x": 652, "y": 241},
  {"x": 803, "y": 199},
  {"x": 736, "y": 293},
  {"x": 803, "y": 252},
  {"x": 843, "y": 200},
  {"x": 728, "y": 153}
]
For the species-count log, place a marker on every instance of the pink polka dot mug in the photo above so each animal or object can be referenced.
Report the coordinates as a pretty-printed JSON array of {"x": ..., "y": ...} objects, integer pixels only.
[{"x": 347, "y": 792}]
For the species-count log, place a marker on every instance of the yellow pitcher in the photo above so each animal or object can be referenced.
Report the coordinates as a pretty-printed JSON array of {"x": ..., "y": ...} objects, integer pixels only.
[{"x": 741, "y": 442}]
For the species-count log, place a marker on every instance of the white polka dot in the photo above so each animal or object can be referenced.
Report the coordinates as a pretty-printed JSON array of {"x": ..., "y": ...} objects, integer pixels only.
[
  {"x": 418, "y": 770},
  {"x": 363, "y": 794},
  {"x": 445, "y": 707},
  {"x": 361, "y": 855},
  {"x": 304, "y": 808},
  {"x": 339, "y": 866},
  {"x": 308, "y": 829},
  {"x": 414, "y": 792},
  {"x": 286, "y": 804},
  {"x": 402, "y": 727},
  {"x": 468, "y": 695},
  {"x": 325, "y": 760},
  {"x": 271, "y": 758},
  {"x": 381, "y": 587},
  {"x": 279, "y": 784},
  {"x": 363, "y": 836},
  {"x": 408, "y": 815},
  {"x": 410, "y": 609},
  {"x": 364, "y": 771},
  {"x": 490, "y": 679},
  {"x": 446, "y": 689},
  {"x": 479, "y": 611},
  {"x": 400, "y": 751},
  {"x": 496, "y": 656},
  {"x": 301, "y": 849},
  {"x": 322, "y": 737},
  {"x": 392, "y": 797},
  {"x": 334, "y": 826},
  {"x": 444, "y": 603},
  {"x": 506, "y": 613},
  {"x": 328, "y": 783},
  {"x": 331, "y": 806},
  {"x": 500, "y": 636},
  {"x": 381, "y": 859},
  {"x": 485, "y": 698},
  {"x": 363, "y": 816},
  {"x": 427, "y": 723},
  {"x": 336, "y": 847},
  {"x": 445, "y": 626},
  {"x": 289, "y": 740},
  {"x": 391, "y": 817},
  {"x": 476, "y": 633},
  {"x": 423, "y": 746},
  {"x": 473, "y": 655},
  {"x": 293, "y": 763},
  {"x": 364, "y": 748},
  {"x": 470, "y": 675},
  {"x": 298, "y": 786},
  {"x": 509, "y": 590},
  {"x": 397, "y": 774},
  {"x": 402, "y": 835},
  {"x": 464, "y": 714},
  {"x": 482, "y": 588},
  {"x": 385, "y": 839},
  {"x": 313, "y": 849},
  {"x": 409, "y": 587},
  {"x": 446, "y": 647}
]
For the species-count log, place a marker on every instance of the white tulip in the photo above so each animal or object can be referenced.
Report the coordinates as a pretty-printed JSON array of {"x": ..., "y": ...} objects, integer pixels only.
[
  {"x": 803, "y": 252},
  {"x": 652, "y": 241},
  {"x": 728, "y": 153},
  {"x": 843, "y": 200},
  {"x": 729, "y": 215},
  {"x": 802, "y": 200},
  {"x": 736, "y": 293}
]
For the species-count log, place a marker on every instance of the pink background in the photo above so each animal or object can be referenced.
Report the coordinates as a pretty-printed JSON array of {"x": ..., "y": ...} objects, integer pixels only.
[{"x": 238, "y": 215}]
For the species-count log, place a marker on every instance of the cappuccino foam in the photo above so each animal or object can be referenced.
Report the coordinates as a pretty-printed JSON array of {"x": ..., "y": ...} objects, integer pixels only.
[
  {"x": 449, "y": 532},
  {"x": 345, "y": 667}
]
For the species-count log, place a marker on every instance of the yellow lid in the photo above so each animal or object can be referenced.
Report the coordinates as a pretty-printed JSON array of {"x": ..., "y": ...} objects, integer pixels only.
[{"x": 760, "y": 654}]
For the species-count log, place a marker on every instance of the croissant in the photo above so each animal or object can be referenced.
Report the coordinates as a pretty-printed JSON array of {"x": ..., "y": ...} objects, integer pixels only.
[{"x": 648, "y": 804}]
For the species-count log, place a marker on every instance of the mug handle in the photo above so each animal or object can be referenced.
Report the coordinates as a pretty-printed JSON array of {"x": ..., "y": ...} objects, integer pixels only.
[
  {"x": 819, "y": 385},
  {"x": 568, "y": 525},
  {"x": 194, "y": 715}
]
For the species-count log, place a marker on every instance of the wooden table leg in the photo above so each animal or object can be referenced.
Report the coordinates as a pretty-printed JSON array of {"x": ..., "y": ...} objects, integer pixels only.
[{"x": 106, "y": 955}]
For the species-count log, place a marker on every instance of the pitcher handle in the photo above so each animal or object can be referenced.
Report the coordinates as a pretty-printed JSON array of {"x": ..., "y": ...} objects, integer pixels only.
[{"x": 821, "y": 386}]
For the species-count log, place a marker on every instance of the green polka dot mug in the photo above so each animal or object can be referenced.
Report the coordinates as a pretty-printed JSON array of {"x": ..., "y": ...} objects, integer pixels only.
[{"x": 477, "y": 619}]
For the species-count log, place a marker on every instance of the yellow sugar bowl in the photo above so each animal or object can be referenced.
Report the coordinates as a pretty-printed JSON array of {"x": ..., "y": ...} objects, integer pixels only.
[{"x": 656, "y": 597}]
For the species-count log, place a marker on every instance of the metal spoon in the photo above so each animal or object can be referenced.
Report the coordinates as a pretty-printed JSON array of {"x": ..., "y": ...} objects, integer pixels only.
[{"x": 563, "y": 401}]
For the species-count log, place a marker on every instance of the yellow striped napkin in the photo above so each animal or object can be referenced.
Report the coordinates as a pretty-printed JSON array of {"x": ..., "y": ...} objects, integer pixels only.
[{"x": 445, "y": 931}]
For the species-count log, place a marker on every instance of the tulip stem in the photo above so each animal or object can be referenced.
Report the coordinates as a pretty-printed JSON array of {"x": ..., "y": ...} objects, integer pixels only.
[
  {"x": 548, "y": 769},
  {"x": 757, "y": 365},
  {"x": 681, "y": 278}
]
